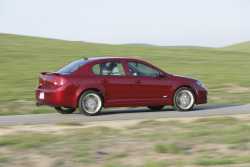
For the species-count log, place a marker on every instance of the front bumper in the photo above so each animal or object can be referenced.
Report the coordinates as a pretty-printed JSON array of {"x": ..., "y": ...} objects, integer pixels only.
[{"x": 201, "y": 96}]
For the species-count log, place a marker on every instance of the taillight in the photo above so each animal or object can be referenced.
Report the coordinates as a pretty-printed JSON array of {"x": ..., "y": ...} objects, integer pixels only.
[
  {"x": 40, "y": 82},
  {"x": 50, "y": 80},
  {"x": 58, "y": 83}
]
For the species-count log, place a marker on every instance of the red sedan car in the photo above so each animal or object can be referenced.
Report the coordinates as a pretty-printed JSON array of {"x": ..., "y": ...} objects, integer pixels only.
[{"x": 93, "y": 83}]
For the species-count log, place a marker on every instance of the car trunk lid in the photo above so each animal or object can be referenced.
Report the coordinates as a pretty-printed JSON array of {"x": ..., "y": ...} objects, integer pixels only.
[{"x": 50, "y": 80}]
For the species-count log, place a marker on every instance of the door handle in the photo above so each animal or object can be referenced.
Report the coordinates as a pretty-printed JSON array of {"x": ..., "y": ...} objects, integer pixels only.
[
  {"x": 138, "y": 81},
  {"x": 104, "y": 81}
]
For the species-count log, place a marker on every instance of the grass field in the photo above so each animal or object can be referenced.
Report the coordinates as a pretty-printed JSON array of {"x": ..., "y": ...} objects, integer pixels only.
[
  {"x": 220, "y": 141},
  {"x": 225, "y": 71},
  {"x": 243, "y": 47}
]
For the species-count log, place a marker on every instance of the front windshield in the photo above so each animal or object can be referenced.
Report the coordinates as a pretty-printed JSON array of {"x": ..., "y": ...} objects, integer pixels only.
[{"x": 71, "y": 67}]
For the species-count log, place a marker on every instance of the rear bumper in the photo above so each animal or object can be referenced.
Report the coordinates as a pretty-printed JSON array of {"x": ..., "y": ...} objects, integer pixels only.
[
  {"x": 51, "y": 97},
  {"x": 55, "y": 97}
]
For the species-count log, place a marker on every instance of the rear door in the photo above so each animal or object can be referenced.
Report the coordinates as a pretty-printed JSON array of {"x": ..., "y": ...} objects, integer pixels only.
[{"x": 114, "y": 80}]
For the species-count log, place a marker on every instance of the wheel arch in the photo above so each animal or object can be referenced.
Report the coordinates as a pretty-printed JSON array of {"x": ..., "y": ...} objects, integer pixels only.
[
  {"x": 185, "y": 86},
  {"x": 98, "y": 90}
]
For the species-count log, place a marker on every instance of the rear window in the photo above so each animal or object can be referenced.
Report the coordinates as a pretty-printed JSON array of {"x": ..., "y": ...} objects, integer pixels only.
[{"x": 71, "y": 67}]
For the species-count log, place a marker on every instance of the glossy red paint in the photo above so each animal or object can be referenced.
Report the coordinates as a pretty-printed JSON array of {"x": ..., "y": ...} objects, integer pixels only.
[{"x": 57, "y": 89}]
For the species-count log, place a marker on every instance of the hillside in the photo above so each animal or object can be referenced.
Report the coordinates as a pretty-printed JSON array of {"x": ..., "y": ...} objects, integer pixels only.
[
  {"x": 226, "y": 73},
  {"x": 241, "y": 47}
]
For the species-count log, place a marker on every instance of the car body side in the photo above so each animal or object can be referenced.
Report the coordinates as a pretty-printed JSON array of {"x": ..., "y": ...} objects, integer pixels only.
[{"x": 119, "y": 91}]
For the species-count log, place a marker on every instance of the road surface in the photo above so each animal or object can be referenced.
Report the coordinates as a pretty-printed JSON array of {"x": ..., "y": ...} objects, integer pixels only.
[{"x": 124, "y": 114}]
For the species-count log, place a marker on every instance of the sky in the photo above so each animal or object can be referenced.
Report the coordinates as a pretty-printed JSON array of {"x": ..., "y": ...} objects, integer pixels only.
[{"x": 213, "y": 23}]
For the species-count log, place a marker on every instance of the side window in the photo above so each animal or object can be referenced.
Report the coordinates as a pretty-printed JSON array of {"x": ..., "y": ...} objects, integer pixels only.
[
  {"x": 139, "y": 69},
  {"x": 96, "y": 69},
  {"x": 109, "y": 68}
]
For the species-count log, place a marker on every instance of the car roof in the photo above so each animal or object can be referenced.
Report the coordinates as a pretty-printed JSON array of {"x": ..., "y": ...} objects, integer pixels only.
[{"x": 110, "y": 57}]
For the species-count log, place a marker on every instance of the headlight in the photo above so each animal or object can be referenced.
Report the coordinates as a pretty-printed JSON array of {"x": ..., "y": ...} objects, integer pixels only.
[{"x": 200, "y": 84}]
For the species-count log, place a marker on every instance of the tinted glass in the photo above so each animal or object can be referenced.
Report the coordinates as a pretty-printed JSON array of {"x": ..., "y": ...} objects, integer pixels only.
[
  {"x": 96, "y": 69},
  {"x": 139, "y": 69},
  {"x": 109, "y": 68},
  {"x": 71, "y": 67}
]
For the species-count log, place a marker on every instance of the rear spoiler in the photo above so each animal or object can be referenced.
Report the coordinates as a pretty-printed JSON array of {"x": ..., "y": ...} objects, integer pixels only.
[{"x": 49, "y": 73}]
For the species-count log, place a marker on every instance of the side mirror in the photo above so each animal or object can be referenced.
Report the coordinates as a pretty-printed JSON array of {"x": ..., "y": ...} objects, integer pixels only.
[{"x": 161, "y": 75}]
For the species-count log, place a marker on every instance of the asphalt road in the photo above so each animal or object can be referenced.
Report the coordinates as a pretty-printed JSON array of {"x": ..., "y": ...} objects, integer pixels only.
[{"x": 124, "y": 114}]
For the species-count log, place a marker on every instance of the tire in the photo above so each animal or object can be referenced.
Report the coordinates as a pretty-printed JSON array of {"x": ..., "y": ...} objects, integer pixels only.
[
  {"x": 63, "y": 110},
  {"x": 184, "y": 99},
  {"x": 90, "y": 103},
  {"x": 155, "y": 108}
]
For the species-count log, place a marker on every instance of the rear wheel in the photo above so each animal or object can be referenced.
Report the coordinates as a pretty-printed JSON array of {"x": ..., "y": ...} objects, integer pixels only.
[
  {"x": 64, "y": 110},
  {"x": 155, "y": 108},
  {"x": 90, "y": 103},
  {"x": 184, "y": 99}
]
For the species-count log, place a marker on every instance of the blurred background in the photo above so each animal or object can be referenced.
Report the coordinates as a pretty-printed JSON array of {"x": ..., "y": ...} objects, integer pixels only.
[{"x": 205, "y": 39}]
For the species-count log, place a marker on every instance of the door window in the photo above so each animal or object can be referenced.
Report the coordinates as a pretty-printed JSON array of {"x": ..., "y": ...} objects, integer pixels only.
[
  {"x": 139, "y": 69},
  {"x": 109, "y": 68},
  {"x": 96, "y": 69}
]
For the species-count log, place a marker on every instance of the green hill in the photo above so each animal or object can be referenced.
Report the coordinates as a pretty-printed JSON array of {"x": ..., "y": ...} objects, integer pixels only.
[
  {"x": 241, "y": 47},
  {"x": 226, "y": 73}
]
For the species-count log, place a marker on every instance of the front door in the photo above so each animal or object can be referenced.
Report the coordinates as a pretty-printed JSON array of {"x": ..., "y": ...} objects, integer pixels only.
[{"x": 150, "y": 85}]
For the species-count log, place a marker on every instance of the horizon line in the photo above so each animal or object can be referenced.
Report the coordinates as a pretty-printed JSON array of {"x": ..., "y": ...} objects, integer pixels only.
[{"x": 103, "y": 43}]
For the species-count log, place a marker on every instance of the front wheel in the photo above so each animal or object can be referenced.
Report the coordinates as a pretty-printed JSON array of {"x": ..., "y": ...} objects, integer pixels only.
[
  {"x": 64, "y": 110},
  {"x": 184, "y": 99},
  {"x": 90, "y": 103}
]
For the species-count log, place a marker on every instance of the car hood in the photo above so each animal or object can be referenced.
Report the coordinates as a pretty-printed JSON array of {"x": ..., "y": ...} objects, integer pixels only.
[{"x": 183, "y": 78}]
